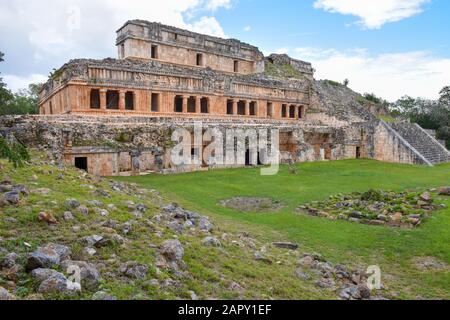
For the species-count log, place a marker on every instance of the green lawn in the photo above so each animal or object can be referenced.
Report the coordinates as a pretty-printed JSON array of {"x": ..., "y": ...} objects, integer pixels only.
[{"x": 339, "y": 241}]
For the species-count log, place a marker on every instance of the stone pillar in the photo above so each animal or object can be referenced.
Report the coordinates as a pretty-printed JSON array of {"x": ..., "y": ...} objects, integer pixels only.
[
  {"x": 197, "y": 104},
  {"x": 122, "y": 100},
  {"x": 256, "y": 108},
  {"x": 247, "y": 108},
  {"x": 185, "y": 101},
  {"x": 103, "y": 99},
  {"x": 235, "y": 107}
]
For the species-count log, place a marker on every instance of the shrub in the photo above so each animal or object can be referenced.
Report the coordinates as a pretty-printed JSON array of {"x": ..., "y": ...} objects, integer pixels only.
[{"x": 15, "y": 152}]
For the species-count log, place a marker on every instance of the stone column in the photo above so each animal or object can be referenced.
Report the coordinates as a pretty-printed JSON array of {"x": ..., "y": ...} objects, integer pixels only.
[
  {"x": 103, "y": 99},
  {"x": 247, "y": 108},
  {"x": 235, "y": 107},
  {"x": 197, "y": 104},
  {"x": 256, "y": 108},
  {"x": 185, "y": 101},
  {"x": 122, "y": 100}
]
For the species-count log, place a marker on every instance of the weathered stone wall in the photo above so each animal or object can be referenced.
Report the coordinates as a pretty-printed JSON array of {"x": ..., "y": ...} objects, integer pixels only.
[
  {"x": 136, "y": 38},
  {"x": 113, "y": 145},
  {"x": 389, "y": 146}
]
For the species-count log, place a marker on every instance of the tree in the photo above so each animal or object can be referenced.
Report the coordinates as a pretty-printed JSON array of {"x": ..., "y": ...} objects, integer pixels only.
[
  {"x": 23, "y": 102},
  {"x": 5, "y": 94},
  {"x": 445, "y": 96}
]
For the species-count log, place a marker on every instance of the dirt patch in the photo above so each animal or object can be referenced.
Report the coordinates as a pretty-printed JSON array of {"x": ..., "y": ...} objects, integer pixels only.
[
  {"x": 249, "y": 204},
  {"x": 430, "y": 264}
]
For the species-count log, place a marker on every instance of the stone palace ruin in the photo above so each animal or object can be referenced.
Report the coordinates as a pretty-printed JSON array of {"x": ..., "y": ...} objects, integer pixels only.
[{"x": 116, "y": 116}]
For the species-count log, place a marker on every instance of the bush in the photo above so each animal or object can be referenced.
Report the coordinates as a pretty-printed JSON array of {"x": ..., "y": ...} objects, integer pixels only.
[{"x": 15, "y": 152}]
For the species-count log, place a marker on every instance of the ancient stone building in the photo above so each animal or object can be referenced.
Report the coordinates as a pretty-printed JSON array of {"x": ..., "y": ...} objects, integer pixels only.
[{"x": 116, "y": 116}]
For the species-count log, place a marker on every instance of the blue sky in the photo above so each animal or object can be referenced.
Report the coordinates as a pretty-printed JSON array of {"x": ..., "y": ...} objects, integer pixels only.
[{"x": 389, "y": 47}]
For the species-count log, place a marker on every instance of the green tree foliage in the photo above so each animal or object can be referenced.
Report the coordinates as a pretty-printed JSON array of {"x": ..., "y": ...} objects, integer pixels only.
[
  {"x": 5, "y": 94},
  {"x": 23, "y": 102},
  {"x": 15, "y": 152},
  {"x": 429, "y": 114}
]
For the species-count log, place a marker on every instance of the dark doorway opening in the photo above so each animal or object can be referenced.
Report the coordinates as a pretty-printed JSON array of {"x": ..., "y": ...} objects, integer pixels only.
[
  {"x": 358, "y": 152},
  {"x": 248, "y": 159},
  {"x": 178, "y": 104},
  {"x": 81, "y": 163}
]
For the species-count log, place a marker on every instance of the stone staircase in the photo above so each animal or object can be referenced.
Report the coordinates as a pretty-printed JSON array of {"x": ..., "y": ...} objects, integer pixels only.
[{"x": 423, "y": 142}]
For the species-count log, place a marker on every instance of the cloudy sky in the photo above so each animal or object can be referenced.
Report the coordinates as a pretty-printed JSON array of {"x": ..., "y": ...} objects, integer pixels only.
[{"x": 389, "y": 47}]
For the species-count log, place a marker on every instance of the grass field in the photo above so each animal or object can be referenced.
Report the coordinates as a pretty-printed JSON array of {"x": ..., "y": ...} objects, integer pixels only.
[{"x": 394, "y": 250}]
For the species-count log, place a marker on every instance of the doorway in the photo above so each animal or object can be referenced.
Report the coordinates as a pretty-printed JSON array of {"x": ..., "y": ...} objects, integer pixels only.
[{"x": 81, "y": 163}]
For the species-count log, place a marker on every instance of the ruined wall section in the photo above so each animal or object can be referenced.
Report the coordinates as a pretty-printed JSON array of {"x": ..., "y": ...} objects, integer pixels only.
[
  {"x": 136, "y": 38},
  {"x": 389, "y": 146},
  {"x": 333, "y": 101},
  {"x": 69, "y": 89}
]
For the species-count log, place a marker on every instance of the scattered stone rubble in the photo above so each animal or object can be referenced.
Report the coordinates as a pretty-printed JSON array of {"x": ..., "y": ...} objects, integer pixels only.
[{"x": 377, "y": 208}]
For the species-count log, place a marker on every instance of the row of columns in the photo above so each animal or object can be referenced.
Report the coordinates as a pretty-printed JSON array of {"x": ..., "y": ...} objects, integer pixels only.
[
  {"x": 247, "y": 107},
  {"x": 299, "y": 112},
  {"x": 122, "y": 94},
  {"x": 197, "y": 103}
]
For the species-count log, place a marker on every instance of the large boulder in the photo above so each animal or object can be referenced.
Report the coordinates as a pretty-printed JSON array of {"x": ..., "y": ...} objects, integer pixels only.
[
  {"x": 47, "y": 256},
  {"x": 172, "y": 250},
  {"x": 444, "y": 191},
  {"x": 58, "y": 284},
  {"x": 42, "y": 274},
  {"x": 89, "y": 275}
]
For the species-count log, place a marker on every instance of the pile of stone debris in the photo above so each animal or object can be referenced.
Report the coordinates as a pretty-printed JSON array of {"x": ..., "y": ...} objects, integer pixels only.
[{"x": 378, "y": 208}]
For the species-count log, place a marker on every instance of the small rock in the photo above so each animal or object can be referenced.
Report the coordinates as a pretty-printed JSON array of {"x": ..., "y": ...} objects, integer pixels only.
[
  {"x": 103, "y": 296},
  {"x": 12, "y": 197},
  {"x": 426, "y": 196},
  {"x": 172, "y": 250},
  {"x": 302, "y": 275},
  {"x": 134, "y": 270},
  {"x": 260, "y": 257},
  {"x": 9, "y": 260},
  {"x": 90, "y": 251},
  {"x": 141, "y": 208},
  {"x": 205, "y": 225},
  {"x": 96, "y": 241},
  {"x": 47, "y": 217},
  {"x": 83, "y": 210},
  {"x": 72, "y": 203},
  {"x": 444, "y": 191},
  {"x": 5, "y": 295},
  {"x": 286, "y": 245},
  {"x": 325, "y": 283},
  {"x": 175, "y": 226},
  {"x": 211, "y": 242},
  {"x": 396, "y": 217},
  {"x": 193, "y": 295},
  {"x": 68, "y": 216},
  {"x": 356, "y": 214}
]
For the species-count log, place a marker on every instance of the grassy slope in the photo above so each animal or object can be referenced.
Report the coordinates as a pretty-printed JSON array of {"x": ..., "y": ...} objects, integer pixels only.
[
  {"x": 212, "y": 271},
  {"x": 341, "y": 242}
]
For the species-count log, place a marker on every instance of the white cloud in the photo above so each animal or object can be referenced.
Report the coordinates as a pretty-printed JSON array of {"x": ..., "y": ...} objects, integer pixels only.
[
  {"x": 373, "y": 13},
  {"x": 282, "y": 51},
  {"x": 247, "y": 28},
  {"x": 213, "y": 5},
  {"x": 16, "y": 83},
  {"x": 390, "y": 75},
  {"x": 37, "y": 36},
  {"x": 208, "y": 25}
]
